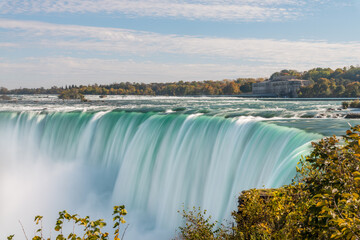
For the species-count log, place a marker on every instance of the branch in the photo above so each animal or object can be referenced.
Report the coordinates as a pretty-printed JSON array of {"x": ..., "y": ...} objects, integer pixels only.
[
  {"x": 23, "y": 230},
  {"x": 122, "y": 236}
]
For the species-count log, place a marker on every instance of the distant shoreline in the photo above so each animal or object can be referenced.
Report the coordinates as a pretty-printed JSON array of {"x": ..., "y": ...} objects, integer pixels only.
[
  {"x": 341, "y": 83},
  {"x": 210, "y": 96}
]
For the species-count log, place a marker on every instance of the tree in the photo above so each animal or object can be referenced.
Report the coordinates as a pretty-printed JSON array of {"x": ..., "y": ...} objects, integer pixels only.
[
  {"x": 3, "y": 90},
  {"x": 72, "y": 93},
  {"x": 231, "y": 89}
]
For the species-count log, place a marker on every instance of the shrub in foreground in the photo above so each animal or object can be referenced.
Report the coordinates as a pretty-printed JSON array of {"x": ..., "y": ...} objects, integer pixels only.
[{"x": 92, "y": 230}]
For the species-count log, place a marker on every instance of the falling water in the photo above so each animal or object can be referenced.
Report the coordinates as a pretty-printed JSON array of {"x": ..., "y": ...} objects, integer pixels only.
[{"x": 154, "y": 163}]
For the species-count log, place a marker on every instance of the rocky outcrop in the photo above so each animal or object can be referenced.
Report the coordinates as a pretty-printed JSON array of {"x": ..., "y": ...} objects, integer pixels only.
[{"x": 352, "y": 115}]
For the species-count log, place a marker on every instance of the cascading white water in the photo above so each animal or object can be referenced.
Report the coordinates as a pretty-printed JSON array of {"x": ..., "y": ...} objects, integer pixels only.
[{"x": 152, "y": 163}]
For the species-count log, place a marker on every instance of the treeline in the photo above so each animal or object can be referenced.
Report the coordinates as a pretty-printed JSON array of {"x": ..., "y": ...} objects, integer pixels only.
[
  {"x": 326, "y": 82},
  {"x": 52, "y": 90},
  {"x": 181, "y": 88}
]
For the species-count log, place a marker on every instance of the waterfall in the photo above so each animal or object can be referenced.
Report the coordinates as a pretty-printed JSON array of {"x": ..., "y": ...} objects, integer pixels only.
[{"x": 153, "y": 163}]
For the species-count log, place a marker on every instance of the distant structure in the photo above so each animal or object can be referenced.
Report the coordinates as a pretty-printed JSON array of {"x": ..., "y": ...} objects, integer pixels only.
[{"x": 280, "y": 86}]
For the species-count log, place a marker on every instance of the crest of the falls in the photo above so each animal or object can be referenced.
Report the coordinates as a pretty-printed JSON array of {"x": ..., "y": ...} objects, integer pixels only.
[{"x": 154, "y": 163}]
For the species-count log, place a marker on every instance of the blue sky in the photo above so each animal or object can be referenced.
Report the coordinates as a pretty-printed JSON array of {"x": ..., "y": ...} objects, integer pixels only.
[{"x": 47, "y": 42}]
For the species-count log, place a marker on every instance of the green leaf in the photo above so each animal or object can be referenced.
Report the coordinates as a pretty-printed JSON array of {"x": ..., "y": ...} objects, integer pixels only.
[{"x": 116, "y": 224}]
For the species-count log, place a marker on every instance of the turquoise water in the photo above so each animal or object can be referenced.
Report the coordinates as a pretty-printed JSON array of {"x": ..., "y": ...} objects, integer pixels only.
[{"x": 155, "y": 155}]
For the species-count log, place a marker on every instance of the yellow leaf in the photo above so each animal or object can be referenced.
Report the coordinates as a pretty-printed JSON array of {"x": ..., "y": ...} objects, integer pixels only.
[
  {"x": 322, "y": 203},
  {"x": 333, "y": 236}
]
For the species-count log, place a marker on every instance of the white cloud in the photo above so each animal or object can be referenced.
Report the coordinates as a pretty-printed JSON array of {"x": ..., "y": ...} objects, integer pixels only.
[
  {"x": 7, "y": 45},
  {"x": 127, "y": 43},
  {"x": 238, "y": 10},
  {"x": 50, "y": 71},
  {"x": 75, "y": 54}
]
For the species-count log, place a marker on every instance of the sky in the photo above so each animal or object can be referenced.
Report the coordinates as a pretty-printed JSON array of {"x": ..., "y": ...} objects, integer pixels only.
[{"x": 46, "y": 43}]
